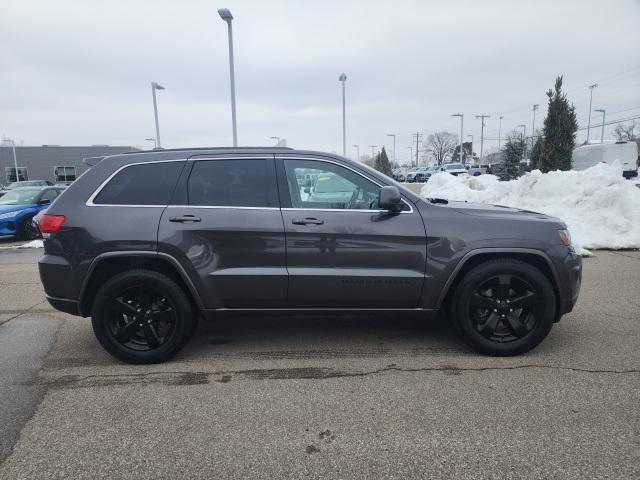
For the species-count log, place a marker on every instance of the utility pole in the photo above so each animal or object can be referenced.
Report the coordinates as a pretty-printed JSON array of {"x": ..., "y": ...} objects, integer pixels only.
[
  {"x": 500, "y": 131},
  {"x": 418, "y": 135},
  {"x": 410, "y": 155},
  {"x": 155, "y": 86},
  {"x": 533, "y": 124},
  {"x": 225, "y": 15},
  {"x": 482, "y": 117},
  {"x": 591, "y": 87}
]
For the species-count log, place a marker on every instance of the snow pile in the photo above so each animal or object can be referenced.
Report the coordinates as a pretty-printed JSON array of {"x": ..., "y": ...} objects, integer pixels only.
[
  {"x": 600, "y": 207},
  {"x": 31, "y": 244}
]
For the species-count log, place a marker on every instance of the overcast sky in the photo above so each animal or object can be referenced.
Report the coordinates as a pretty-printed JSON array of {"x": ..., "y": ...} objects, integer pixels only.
[{"x": 79, "y": 72}]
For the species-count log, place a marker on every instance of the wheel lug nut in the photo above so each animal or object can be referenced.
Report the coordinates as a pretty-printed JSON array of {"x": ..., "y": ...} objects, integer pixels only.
[
  {"x": 511, "y": 309},
  {"x": 495, "y": 309}
]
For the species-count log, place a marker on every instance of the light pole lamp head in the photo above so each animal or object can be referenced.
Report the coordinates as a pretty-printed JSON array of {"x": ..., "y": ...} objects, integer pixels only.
[
  {"x": 601, "y": 110},
  {"x": 535, "y": 107},
  {"x": 457, "y": 115},
  {"x": 225, "y": 14},
  {"x": 342, "y": 78},
  {"x": 157, "y": 86}
]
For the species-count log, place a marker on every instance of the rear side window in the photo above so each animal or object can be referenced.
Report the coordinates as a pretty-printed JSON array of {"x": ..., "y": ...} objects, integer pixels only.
[
  {"x": 233, "y": 183},
  {"x": 148, "y": 184}
]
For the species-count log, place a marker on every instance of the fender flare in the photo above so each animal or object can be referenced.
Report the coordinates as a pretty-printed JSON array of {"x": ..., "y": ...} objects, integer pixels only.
[
  {"x": 497, "y": 250},
  {"x": 140, "y": 253}
]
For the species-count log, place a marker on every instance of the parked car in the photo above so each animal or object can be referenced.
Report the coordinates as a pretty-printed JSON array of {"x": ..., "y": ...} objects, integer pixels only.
[
  {"x": 18, "y": 207},
  {"x": 475, "y": 170},
  {"x": 148, "y": 242},
  {"x": 25, "y": 183},
  {"x": 453, "y": 168},
  {"x": 411, "y": 175},
  {"x": 626, "y": 153},
  {"x": 398, "y": 176}
]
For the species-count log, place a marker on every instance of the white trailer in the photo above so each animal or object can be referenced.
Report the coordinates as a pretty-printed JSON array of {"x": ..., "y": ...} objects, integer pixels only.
[{"x": 625, "y": 152}]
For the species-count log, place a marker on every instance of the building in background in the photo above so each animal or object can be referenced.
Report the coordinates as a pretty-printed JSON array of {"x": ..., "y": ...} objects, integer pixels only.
[{"x": 55, "y": 163}]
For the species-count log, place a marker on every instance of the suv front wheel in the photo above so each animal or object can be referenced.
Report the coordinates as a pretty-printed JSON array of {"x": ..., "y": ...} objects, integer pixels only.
[
  {"x": 504, "y": 307},
  {"x": 142, "y": 316}
]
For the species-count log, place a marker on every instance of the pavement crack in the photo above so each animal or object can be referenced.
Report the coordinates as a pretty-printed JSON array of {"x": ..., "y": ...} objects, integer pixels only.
[{"x": 22, "y": 312}]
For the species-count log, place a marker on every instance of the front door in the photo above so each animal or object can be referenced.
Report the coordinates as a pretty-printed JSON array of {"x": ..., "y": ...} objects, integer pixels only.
[
  {"x": 225, "y": 228},
  {"x": 342, "y": 250}
]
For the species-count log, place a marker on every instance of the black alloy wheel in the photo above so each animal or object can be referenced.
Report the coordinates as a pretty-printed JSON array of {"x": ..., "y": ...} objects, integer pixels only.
[
  {"x": 142, "y": 316},
  {"x": 504, "y": 306}
]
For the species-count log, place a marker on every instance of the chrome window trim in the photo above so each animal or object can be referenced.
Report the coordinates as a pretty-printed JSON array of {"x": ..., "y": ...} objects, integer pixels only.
[
  {"x": 223, "y": 206},
  {"x": 90, "y": 201},
  {"x": 315, "y": 159}
]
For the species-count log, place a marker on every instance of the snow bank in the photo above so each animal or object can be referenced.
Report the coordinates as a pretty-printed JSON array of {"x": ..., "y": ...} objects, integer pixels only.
[
  {"x": 31, "y": 244},
  {"x": 601, "y": 209}
]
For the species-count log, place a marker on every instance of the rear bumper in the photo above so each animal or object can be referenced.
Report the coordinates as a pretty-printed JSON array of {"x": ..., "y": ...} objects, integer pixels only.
[{"x": 64, "y": 305}]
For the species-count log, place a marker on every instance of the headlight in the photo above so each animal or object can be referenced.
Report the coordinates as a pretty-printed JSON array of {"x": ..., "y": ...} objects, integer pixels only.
[
  {"x": 9, "y": 215},
  {"x": 565, "y": 237}
]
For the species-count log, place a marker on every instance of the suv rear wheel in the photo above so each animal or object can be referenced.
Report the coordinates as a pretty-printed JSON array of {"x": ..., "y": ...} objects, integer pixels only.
[
  {"x": 142, "y": 316},
  {"x": 504, "y": 307}
]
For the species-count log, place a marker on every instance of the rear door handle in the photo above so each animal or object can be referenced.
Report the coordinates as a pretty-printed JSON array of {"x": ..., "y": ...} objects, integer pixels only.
[
  {"x": 307, "y": 221},
  {"x": 185, "y": 218}
]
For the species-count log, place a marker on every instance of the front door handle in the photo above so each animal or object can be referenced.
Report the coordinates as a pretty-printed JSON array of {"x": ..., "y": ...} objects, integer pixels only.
[
  {"x": 185, "y": 218},
  {"x": 307, "y": 221}
]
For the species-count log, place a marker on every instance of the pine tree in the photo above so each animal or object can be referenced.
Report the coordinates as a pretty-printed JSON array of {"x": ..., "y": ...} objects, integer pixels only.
[
  {"x": 535, "y": 153},
  {"x": 382, "y": 163},
  {"x": 513, "y": 150},
  {"x": 559, "y": 132}
]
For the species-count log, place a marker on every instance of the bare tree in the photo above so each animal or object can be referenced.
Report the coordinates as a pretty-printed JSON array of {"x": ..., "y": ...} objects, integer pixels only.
[
  {"x": 440, "y": 145},
  {"x": 624, "y": 133}
]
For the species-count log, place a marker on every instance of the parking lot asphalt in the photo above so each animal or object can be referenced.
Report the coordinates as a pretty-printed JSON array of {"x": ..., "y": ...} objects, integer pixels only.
[{"x": 324, "y": 397}]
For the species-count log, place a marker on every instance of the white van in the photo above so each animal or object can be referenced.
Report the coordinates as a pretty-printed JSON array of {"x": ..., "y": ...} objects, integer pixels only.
[{"x": 625, "y": 152}]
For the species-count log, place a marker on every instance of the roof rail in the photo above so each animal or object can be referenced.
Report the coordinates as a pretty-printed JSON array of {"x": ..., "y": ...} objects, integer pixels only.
[{"x": 92, "y": 161}]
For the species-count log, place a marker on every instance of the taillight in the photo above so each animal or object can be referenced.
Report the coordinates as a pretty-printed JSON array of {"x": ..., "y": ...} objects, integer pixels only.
[{"x": 50, "y": 223}]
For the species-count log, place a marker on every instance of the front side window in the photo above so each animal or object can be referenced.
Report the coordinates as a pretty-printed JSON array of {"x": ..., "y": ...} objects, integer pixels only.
[
  {"x": 65, "y": 174},
  {"x": 233, "y": 183},
  {"x": 146, "y": 184},
  {"x": 315, "y": 184}
]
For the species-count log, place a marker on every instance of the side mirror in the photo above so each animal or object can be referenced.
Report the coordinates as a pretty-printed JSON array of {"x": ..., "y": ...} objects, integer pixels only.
[{"x": 389, "y": 199}]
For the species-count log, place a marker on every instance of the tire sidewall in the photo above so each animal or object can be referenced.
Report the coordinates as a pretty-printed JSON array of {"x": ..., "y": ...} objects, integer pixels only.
[
  {"x": 471, "y": 282},
  {"x": 162, "y": 284}
]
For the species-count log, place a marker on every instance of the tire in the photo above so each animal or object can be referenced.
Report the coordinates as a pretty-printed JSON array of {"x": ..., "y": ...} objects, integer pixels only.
[
  {"x": 27, "y": 231},
  {"x": 504, "y": 307},
  {"x": 142, "y": 316}
]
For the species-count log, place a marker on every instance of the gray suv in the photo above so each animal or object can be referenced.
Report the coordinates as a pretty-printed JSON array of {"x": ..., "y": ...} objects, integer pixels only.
[{"x": 146, "y": 243}]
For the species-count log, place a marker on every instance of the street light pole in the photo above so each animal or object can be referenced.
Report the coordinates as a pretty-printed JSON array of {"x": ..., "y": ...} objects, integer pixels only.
[
  {"x": 533, "y": 124},
  {"x": 277, "y": 139},
  {"x": 591, "y": 87},
  {"x": 343, "y": 78},
  {"x": 155, "y": 86},
  {"x": 357, "y": 147},
  {"x": 394, "y": 145},
  {"x": 155, "y": 144},
  {"x": 500, "y": 131},
  {"x": 410, "y": 155},
  {"x": 524, "y": 148},
  {"x": 225, "y": 14},
  {"x": 482, "y": 117},
  {"x": 417, "y": 135},
  {"x": 461, "y": 115},
  {"x": 15, "y": 158},
  {"x": 604, "y": 113}
]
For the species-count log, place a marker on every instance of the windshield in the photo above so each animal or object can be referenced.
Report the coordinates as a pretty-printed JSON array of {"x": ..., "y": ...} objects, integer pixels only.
[
  {"x": 19, "y": 197},
  {"x": 333, "y": 183},
  {"x": 22, "y": 184}
]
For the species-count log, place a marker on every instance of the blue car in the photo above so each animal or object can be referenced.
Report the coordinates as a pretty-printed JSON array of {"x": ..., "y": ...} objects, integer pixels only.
[{"x": 19, "y": 206}]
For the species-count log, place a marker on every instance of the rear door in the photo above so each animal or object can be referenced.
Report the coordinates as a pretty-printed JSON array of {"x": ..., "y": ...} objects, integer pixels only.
[
  {"x": 342, "y": 250},
  {"x": 224, "y": 226}
]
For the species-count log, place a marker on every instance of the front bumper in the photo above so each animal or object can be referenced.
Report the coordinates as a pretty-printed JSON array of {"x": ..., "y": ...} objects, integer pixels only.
[
  {"x": 568, "y": 265},
  {"x": 8, "y": 227},
  {"x": 64, "y": 305}
]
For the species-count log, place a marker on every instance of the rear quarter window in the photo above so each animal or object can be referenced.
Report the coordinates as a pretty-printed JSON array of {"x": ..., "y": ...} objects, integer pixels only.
[{"x": 147, "y": 184}]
